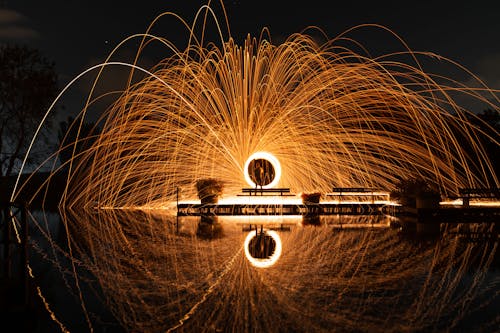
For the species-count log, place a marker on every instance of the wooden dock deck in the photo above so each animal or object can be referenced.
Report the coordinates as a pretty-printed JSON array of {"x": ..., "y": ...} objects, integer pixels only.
[{"x": 327, "y": 208}]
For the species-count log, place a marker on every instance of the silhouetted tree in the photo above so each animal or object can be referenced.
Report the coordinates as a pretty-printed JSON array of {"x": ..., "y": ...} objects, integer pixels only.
[{"x": 28, "y": 84}]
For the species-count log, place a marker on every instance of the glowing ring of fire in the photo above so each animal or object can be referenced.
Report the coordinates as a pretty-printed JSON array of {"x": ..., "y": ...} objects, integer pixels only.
[
  {"x": 271, "y": 159},
  {"x": 263, "y": 263}
]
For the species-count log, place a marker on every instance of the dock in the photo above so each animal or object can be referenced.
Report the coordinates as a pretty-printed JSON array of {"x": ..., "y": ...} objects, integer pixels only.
[{"x": 324, "y": 208}]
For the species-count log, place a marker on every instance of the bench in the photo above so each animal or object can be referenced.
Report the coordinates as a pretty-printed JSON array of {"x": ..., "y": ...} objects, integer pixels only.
[
  {"x": 266, "y": 191},
  {"x": 480, "y": 193}
]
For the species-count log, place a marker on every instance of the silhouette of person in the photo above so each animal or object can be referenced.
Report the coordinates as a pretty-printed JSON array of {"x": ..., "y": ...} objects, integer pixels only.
[
  {"x": 268, "y": 174},
  {"x": 259, "y": 174}
]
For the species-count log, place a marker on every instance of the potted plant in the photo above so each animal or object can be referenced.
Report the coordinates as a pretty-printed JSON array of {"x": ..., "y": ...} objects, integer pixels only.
[{"x": 209, "y": 189}]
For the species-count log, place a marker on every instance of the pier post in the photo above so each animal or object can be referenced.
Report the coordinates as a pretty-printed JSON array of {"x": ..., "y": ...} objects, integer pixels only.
[
  {"x": 8, "y": 240},
  {"x": 177, "y": 214},
  {"x": 24, "y": 256}
]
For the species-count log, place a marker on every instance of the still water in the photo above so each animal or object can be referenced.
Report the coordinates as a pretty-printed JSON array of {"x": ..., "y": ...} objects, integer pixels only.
[{"x": 131, "y": 271}]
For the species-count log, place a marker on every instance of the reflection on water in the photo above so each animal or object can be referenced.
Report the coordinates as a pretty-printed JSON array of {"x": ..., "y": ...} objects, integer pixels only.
[
  {"x": 155, "y": 272},
  {"x": 262, "y": 247}
]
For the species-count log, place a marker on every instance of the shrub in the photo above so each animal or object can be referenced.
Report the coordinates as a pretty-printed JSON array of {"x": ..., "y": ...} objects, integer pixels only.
[{"x": 407, "y": 190}]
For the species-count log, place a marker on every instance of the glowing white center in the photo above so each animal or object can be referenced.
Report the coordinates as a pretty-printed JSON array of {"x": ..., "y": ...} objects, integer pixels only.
[{"x": 265, "y": 156}]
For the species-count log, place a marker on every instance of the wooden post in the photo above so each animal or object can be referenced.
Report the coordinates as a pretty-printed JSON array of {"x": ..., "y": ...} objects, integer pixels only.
[
  {"x": 177, "y": 215},
  {"x": 24, "y": 256},
  {"x": 7, "y": 240}
]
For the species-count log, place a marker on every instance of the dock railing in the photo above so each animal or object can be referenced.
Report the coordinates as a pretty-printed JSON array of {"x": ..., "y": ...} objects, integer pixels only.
[{"x": 341, "y": 192}]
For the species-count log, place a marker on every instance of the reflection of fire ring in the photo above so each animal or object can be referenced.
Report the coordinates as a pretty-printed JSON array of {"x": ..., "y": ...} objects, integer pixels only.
[
  {"x": 268, "y": 251},
  {"x": 262, "y": 169}
]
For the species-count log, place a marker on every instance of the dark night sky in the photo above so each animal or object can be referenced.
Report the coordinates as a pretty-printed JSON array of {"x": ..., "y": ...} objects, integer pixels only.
[{"x": 76, "y": 34}]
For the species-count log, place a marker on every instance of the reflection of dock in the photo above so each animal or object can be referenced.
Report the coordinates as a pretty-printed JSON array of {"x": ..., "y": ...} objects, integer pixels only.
[
  {"x": 275, "y": 226},
  {"x": 458, "y": 214},
  {"x": 325, "y": 208},
  {"x": 430, "y": 220}
]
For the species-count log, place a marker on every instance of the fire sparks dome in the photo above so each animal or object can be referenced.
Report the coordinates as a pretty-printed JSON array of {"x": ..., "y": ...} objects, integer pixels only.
[{"x": 331, "y": 115}]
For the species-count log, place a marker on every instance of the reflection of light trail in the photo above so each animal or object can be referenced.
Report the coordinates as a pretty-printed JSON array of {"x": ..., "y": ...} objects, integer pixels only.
[
  {"x": 263, "y": 262},
  {"x": 141, "y": 261},
  {"x": 205, "y": 295}
]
